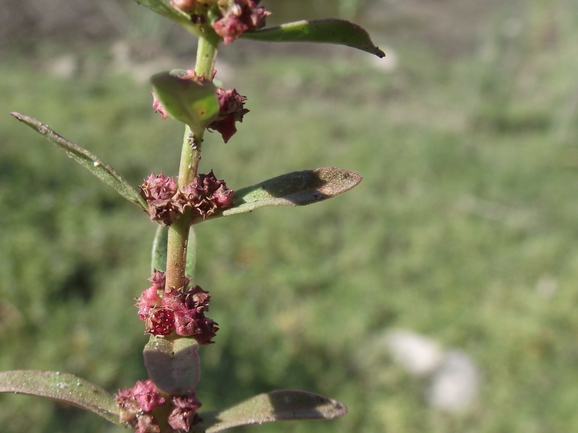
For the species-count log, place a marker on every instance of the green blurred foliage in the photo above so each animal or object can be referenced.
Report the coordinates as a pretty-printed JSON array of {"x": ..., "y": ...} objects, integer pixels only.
[{"x": 468, "y": 203}]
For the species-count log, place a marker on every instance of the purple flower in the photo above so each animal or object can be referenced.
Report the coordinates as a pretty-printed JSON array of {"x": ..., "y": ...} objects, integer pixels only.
[
  {"x": 184, "y": 414},
  {"x": 147, "y": 396},
  {"x": 238, "y": 17},
  {"x": 206, "y": 194},
  {"x": 231, "y": 110},
  {"x": 159, "y": 192}
]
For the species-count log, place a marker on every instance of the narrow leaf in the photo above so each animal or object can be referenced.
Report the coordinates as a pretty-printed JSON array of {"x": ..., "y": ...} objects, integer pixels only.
[
  {"x": 294, "y": 189},
  {"x": 159, "y": 251},
  {"x": 330, "y": 31},
  {"x": 165, "y": 9},
  {"x": 62, "y": 387},
  {"x": 173, "y": 365},
  {"x": 282, "y": 405},
  {"x": 189, "y": 101},
  {"x": 191, "y": 255},
  {"x": 89, "y": 161}
]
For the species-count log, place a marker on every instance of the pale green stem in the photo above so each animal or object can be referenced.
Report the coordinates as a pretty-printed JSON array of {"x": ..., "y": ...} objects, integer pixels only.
[{"x": 190, "y": 158}]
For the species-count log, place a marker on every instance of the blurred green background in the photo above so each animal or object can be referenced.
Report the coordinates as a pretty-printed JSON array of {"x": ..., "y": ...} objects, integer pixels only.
[{"x": 463, "y": 230}]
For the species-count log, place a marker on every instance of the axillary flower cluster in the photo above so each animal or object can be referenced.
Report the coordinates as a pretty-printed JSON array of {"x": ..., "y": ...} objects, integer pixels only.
[
  {"x": 139, "y": 404},
  {"x": 179, "y": 310},
  {"x": 203, "y": 196}
]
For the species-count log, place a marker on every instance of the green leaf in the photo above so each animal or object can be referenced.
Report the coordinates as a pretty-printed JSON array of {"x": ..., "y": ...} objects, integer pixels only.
[
  {"x": 189, "y": 101},
  {"x": 173, "y": 365},
  {"x": 62, "y": 387},
  {"x": 165, "y": 9},
  {"x": 294, "y": 189},
  {"x": 89, "y": 161},
  {"x": 159, "y": 251},
  {"x": 282, "y": 405},
  {"x": 330, "y": 31},
  {"x": 191, "y": 254}
]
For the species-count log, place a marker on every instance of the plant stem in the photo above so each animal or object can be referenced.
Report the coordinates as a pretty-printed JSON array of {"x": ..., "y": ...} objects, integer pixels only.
[{"x": 188, "y": 168}]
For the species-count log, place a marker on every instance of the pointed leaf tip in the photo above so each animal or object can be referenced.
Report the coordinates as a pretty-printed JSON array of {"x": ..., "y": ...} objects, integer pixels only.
[
  {"x": 329, "y": 31},
  {"x": 103, "y": 171},
  {"x": 299, "y": 188},
  {"x": 282, "y": 405}
]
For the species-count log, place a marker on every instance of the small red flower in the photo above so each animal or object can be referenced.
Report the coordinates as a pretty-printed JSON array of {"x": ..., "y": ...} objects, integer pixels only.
[
  {"x": 239, "y": 16},
  {"x": 159, "y": 192},
  {"x": 128, "y": 406},
  {"x": 184, "y": 414},
  {"x": 158, "y": 278},
  {"x": 136, "y": 402},
  {"x": 147, "y": 396},
  {"x": 147, "y": 424},
  {"x": 231, "y": 110},
  {"x": 174, "y": 300},
  {"x": 206, "y": 194},
  {"x": 159, "y": 107},
  {"x": 160, "y": 321},
  {"x": 150, "y": 297}
]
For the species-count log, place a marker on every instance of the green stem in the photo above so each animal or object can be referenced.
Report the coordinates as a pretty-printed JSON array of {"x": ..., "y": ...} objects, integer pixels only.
[{"x": 188, "y": 168}]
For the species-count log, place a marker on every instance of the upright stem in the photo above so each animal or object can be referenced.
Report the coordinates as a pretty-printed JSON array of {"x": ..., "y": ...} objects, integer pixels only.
[{"x": 188, "y": 168}]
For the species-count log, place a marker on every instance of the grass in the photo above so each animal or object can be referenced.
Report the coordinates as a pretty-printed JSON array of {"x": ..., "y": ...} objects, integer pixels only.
[{"x": 466, "y": 209}]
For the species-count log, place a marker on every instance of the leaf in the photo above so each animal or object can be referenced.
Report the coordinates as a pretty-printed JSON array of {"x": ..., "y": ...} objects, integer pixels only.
[
  {"x": 62, "y": 387},
  {"x": 165, "y": 9},
  {"x": 89, "y": 161},
  {"x": 173, "y": 365},
  {"x": 331, "y": 31},
  {"x": 159, "y": 251},
  {"x": 282, "y": 405},
  {"x": 191, "y": 254},
  {"x": 187, "y": 100},
  {"x": 294, "y": 189}
]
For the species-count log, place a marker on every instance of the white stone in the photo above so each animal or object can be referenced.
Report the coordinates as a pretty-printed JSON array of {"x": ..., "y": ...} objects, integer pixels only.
[
  {"x": 455, "y": 385},
  {"x": 417, "y": 354}
]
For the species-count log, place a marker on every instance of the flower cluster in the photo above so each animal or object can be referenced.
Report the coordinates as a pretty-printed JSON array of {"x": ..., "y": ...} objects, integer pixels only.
[
  {"x": 231, "y": 107},
  {"x": 181, "y": 311},
  {"x": 239, "y": 16},
  {"x": 231, "y": 110},
  {"x": 233, "y": 17},
  {"x": 137, "y": 403},
  {"x": 205, "y": 195}
]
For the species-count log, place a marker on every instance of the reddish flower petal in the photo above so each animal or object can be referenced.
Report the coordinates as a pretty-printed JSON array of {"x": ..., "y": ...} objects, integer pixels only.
[
  {"x": 184, "y": 415},
  {"x": 159, "y": 108},
  {"x": 160, "y": 321},
  {"x": 147, "y": 396}
]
